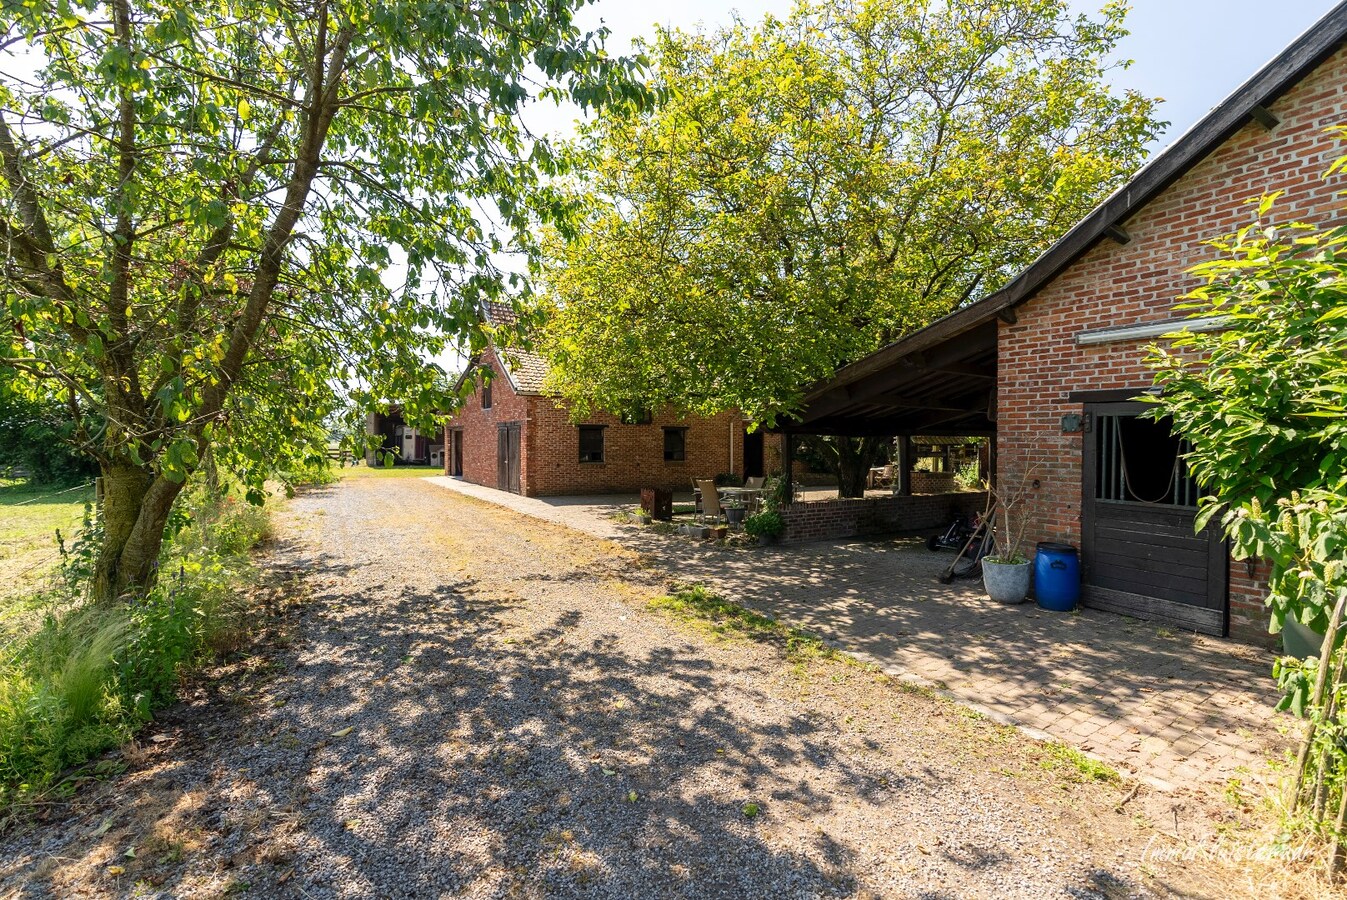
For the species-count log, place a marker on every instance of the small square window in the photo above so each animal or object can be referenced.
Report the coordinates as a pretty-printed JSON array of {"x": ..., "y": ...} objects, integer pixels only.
[
  {"x": 591, "y": 443},
  {"x": 675, "y": 444}
]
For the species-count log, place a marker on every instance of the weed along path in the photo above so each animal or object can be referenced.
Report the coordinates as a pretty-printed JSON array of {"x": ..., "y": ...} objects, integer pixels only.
[{"x": 470, "y": 703}]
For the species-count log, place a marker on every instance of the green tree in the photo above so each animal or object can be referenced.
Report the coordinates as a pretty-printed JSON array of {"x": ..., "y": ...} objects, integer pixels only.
[
  {"x": 35, "y": 437},
  {"x": 1272, "y": 387},
  {"x": 215, "y": 213},
  {"x": 816, "y": 186}
]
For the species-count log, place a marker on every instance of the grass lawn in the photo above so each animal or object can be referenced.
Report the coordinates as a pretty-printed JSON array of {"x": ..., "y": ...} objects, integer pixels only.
[
  {"x": 28, "y": 525},
  {"x": 364, "y": 471}
]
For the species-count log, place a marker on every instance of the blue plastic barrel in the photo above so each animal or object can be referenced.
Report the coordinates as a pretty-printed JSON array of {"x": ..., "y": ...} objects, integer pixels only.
[{"x": 1057, "y": 576}]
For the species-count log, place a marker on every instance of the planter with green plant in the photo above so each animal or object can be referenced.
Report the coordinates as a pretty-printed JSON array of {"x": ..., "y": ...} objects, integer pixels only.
[
  {"x": 767, "y": 526},
  {"x": 734, "y": 512},
  {"x": 1005, "y": 574}
]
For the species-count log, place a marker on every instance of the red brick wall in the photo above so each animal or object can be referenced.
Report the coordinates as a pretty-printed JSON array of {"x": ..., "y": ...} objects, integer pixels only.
[
  {"x": 1113, "y": 285},
  {"x": 932, "y": 482},
  {"x": 633, "y": 454},
  {"x": 823, "y": 520},
  {"x": 480, "y": 426}
]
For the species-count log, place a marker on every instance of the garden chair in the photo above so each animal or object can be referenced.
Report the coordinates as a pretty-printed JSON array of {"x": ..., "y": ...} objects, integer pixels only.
[
  {"x": 755, "y": 484},
  {"x": 710, "y": 499}
]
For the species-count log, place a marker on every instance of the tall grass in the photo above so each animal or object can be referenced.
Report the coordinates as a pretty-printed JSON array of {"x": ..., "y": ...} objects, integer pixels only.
[{"x": 82, "y": 678}]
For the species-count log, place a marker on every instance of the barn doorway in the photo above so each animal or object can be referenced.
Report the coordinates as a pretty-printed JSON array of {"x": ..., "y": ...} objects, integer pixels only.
[
  {"x": 1139, "y": 553},
  {"x": 507, "y": 457},
  {"x": 456, "y": 453}
]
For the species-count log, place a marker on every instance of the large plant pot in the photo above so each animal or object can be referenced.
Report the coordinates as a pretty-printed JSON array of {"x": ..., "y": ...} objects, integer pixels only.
[
  {"x": 735, "y": 515},
  {"x": 657, "y": 503},
  {"x": 1006, "y": 582}
]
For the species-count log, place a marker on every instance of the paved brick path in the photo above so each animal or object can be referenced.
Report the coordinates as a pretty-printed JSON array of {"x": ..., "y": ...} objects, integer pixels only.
[{"x": 1172, "y": 708}]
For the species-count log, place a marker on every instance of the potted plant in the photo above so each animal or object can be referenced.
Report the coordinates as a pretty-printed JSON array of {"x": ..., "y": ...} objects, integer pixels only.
[
  {"x": 1005, "y": 573},
  {"x": 766, "y": 526},
  {"x": 734, "y": 512}
]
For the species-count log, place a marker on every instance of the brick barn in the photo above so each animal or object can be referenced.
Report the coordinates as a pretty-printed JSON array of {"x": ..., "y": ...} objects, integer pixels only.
[
  {"x": 511, "y": 435},
  {"x": 1051, "y": 364}
]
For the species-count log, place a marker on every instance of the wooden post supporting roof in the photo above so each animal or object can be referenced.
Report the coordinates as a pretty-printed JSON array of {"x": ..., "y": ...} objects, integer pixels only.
[{"x": 904, "y": 486}]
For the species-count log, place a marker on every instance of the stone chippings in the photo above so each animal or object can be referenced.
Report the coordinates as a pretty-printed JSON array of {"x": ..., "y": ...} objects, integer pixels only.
[{"x": 478, "y": 705}]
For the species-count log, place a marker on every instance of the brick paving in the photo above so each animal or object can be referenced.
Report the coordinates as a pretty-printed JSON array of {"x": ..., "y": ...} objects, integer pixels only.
[{"x": 1172, "y": 708}]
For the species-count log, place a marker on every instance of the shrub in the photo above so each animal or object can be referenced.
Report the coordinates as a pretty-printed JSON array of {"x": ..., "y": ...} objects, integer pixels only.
[
  {"x": 87, "y": 676},
  {"x": 968, "y": 477},
  {"x": 33, "y": 438},
  {"x": 767, "y": 523},
  {"x": 1270, "y": 387}
]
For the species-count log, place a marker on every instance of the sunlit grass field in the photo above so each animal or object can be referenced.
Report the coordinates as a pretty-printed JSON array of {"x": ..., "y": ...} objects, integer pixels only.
[
  {"x": 364, "y": 471},
  {"x": 30, "y": 516}
]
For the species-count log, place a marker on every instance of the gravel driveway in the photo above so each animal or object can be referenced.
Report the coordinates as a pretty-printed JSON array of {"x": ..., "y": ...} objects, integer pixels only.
[{"x": 469, "y": 703}]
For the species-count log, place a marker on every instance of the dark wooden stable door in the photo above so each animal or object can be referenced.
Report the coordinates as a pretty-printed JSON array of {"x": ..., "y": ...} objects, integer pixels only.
[
  {"x": 1139, "y": 553},
  {"x": 456, "y": 452},
  {"x": 507, "y": 458}
]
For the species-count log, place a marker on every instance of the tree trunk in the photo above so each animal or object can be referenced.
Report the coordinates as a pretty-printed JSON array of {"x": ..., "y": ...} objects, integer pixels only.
[
  {"x": 135, "y": 511},
  {"x": 849, "y": 459},
  {"x": 855, "y": 458},
  {"x": 852, "y": 469}
]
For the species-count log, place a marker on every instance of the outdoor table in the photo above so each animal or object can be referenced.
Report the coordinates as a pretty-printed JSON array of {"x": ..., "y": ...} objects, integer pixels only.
[
  {"x": 739, "y": 493},
  {"x": 747, "y": 497}
]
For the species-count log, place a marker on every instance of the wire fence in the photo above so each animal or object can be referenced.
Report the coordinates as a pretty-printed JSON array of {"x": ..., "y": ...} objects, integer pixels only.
[{"x": 78, "y": 487}]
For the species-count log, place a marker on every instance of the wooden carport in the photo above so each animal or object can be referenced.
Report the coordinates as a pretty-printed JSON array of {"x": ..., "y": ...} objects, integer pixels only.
[{"x": 940, "y": 380}]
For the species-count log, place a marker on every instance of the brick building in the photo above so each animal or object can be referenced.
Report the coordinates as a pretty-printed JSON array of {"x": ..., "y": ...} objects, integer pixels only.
[
  {"x": 513, "y": 436},
  {"x": 1052, "y": 363},
  {"x": 400, "y": 443}
]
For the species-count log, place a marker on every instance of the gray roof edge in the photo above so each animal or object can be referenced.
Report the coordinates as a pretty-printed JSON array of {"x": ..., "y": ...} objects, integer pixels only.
[{"x": 1283, "y": 72}]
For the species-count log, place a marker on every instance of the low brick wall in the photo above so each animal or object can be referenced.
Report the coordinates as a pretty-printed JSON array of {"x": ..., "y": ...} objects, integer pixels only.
[
  {"x": 825, "y": 520},
  {"x": 932, "y": 482}
]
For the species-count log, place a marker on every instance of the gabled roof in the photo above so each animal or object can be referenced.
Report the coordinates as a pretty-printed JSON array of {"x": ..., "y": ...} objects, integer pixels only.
[
  {"x": 1247, "y": 103},
  {"x": 525, "y": 368}
]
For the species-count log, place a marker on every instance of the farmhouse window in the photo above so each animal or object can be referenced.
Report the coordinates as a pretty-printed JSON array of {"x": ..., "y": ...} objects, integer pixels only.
[
  {"x": 591, "y": 443},
  {"x": 675, "y": 444},
  {"x": 486, "y": 394}
]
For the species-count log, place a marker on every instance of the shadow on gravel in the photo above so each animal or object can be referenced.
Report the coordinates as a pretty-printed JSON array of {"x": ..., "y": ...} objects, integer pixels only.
[
  {"x": 423, "y": 743},
  {"x": 534, "y": 764}
]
